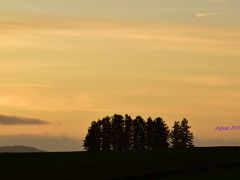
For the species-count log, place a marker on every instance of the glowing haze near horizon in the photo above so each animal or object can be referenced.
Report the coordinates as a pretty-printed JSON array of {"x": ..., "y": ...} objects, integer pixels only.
[{"x": 69, "y": 62}]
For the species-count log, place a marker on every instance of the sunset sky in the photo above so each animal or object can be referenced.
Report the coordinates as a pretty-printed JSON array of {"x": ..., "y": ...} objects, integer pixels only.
[{"x": 65, "y": 63}]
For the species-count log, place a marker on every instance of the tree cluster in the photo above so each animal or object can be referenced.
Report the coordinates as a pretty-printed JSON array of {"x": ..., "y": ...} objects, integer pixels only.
[{"x": 123, "y": 133}]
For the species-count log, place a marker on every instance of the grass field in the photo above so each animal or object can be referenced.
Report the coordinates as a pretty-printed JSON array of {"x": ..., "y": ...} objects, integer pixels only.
[{"x": 197, "y": 163}]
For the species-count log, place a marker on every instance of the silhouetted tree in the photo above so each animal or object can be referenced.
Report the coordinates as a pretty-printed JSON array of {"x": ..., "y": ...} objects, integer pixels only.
[
  {"x": 160, "y": 134},
  {"x": 92, "y": 141},
  {"x": 123, "y": 133},
  {"x": 186, "y": 135},
  {"x": 139, "y": 133},
  {"x": 150, "y": 133},
  {"x": 106, "y": 134},
  {"x": 175, "y": 135},
  {"x": 128, "y": 133},
  {"x": 181, "y": 137},
  {"x": 117, "y": 132}
]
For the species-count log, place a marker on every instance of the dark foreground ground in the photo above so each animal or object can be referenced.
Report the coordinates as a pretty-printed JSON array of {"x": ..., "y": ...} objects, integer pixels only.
[{"x": 198, "y": 163}]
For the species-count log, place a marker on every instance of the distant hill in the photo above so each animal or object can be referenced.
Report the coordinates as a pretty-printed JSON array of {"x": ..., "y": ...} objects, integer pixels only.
[{"x": 18, "y": 149}]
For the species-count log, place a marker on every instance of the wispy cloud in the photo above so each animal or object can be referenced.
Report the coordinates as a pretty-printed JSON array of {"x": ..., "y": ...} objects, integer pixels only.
[
  {"x": 204, "y": 14},
  {"x": 23, "y": 85},
  {"x": 204, "y": 80},
  {"x": 14, "y": 120},
  {"x": 219, "y": 1}
]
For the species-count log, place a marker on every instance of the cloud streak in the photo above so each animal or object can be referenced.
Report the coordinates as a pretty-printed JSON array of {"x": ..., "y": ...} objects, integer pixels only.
[
  {"x": 14, "y": 120},
  {"x": 219, "y": 1},
  {"x": 202, "y": 14}
]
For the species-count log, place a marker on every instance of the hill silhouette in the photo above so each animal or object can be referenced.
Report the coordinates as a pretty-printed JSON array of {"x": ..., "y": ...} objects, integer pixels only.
[{"x": 18, "y": 149}]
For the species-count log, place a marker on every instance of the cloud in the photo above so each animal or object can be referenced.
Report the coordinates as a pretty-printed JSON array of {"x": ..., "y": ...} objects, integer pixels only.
[
  {"x": 219, "y": 1},
  {"x": 43, "y": 142},
  {"x": 205, "y": 80},
  {"x": 14, "y": 120},
  {"x": 202, "y": 14},
  {"x": 23, "y": 85}
]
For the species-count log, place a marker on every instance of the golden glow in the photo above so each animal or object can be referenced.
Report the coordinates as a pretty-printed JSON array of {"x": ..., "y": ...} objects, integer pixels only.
[{"x": 71, "y": 72}]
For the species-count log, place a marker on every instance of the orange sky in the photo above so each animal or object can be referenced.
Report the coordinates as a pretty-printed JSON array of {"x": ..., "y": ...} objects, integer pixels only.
[{"x": 70, "y": 69}]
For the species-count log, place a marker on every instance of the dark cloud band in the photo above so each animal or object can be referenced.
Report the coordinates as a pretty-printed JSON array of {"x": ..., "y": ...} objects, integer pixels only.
[{"x": 14, "y": 120}]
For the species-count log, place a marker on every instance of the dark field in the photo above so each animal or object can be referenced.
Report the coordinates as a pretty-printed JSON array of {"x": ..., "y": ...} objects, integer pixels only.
[{"x": 198, "y": 163}]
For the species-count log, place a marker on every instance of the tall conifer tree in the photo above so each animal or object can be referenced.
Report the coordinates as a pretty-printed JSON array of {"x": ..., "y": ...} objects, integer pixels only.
[
  {"x": 160, "y": 134},
  {"x": 106, "y": 134},
  {"x": 117, "y": 132},
  {"x": 150, "y": 133},
  {"x": 92, "y": 141},
  {"x": 181, "y": 137},
  {"x": 186, "y": 135},
  {"x": 139, "y": 133},
  {"x": 128, "y": 133},
  {"x": 175, "y": 135}
]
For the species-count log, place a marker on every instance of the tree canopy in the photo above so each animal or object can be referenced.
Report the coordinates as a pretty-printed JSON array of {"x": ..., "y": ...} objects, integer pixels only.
[{"x": 122, "y": 133}]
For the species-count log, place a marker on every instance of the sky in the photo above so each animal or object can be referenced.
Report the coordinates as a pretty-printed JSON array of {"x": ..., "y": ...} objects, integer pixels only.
[{"x": 65, "y": 63}]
